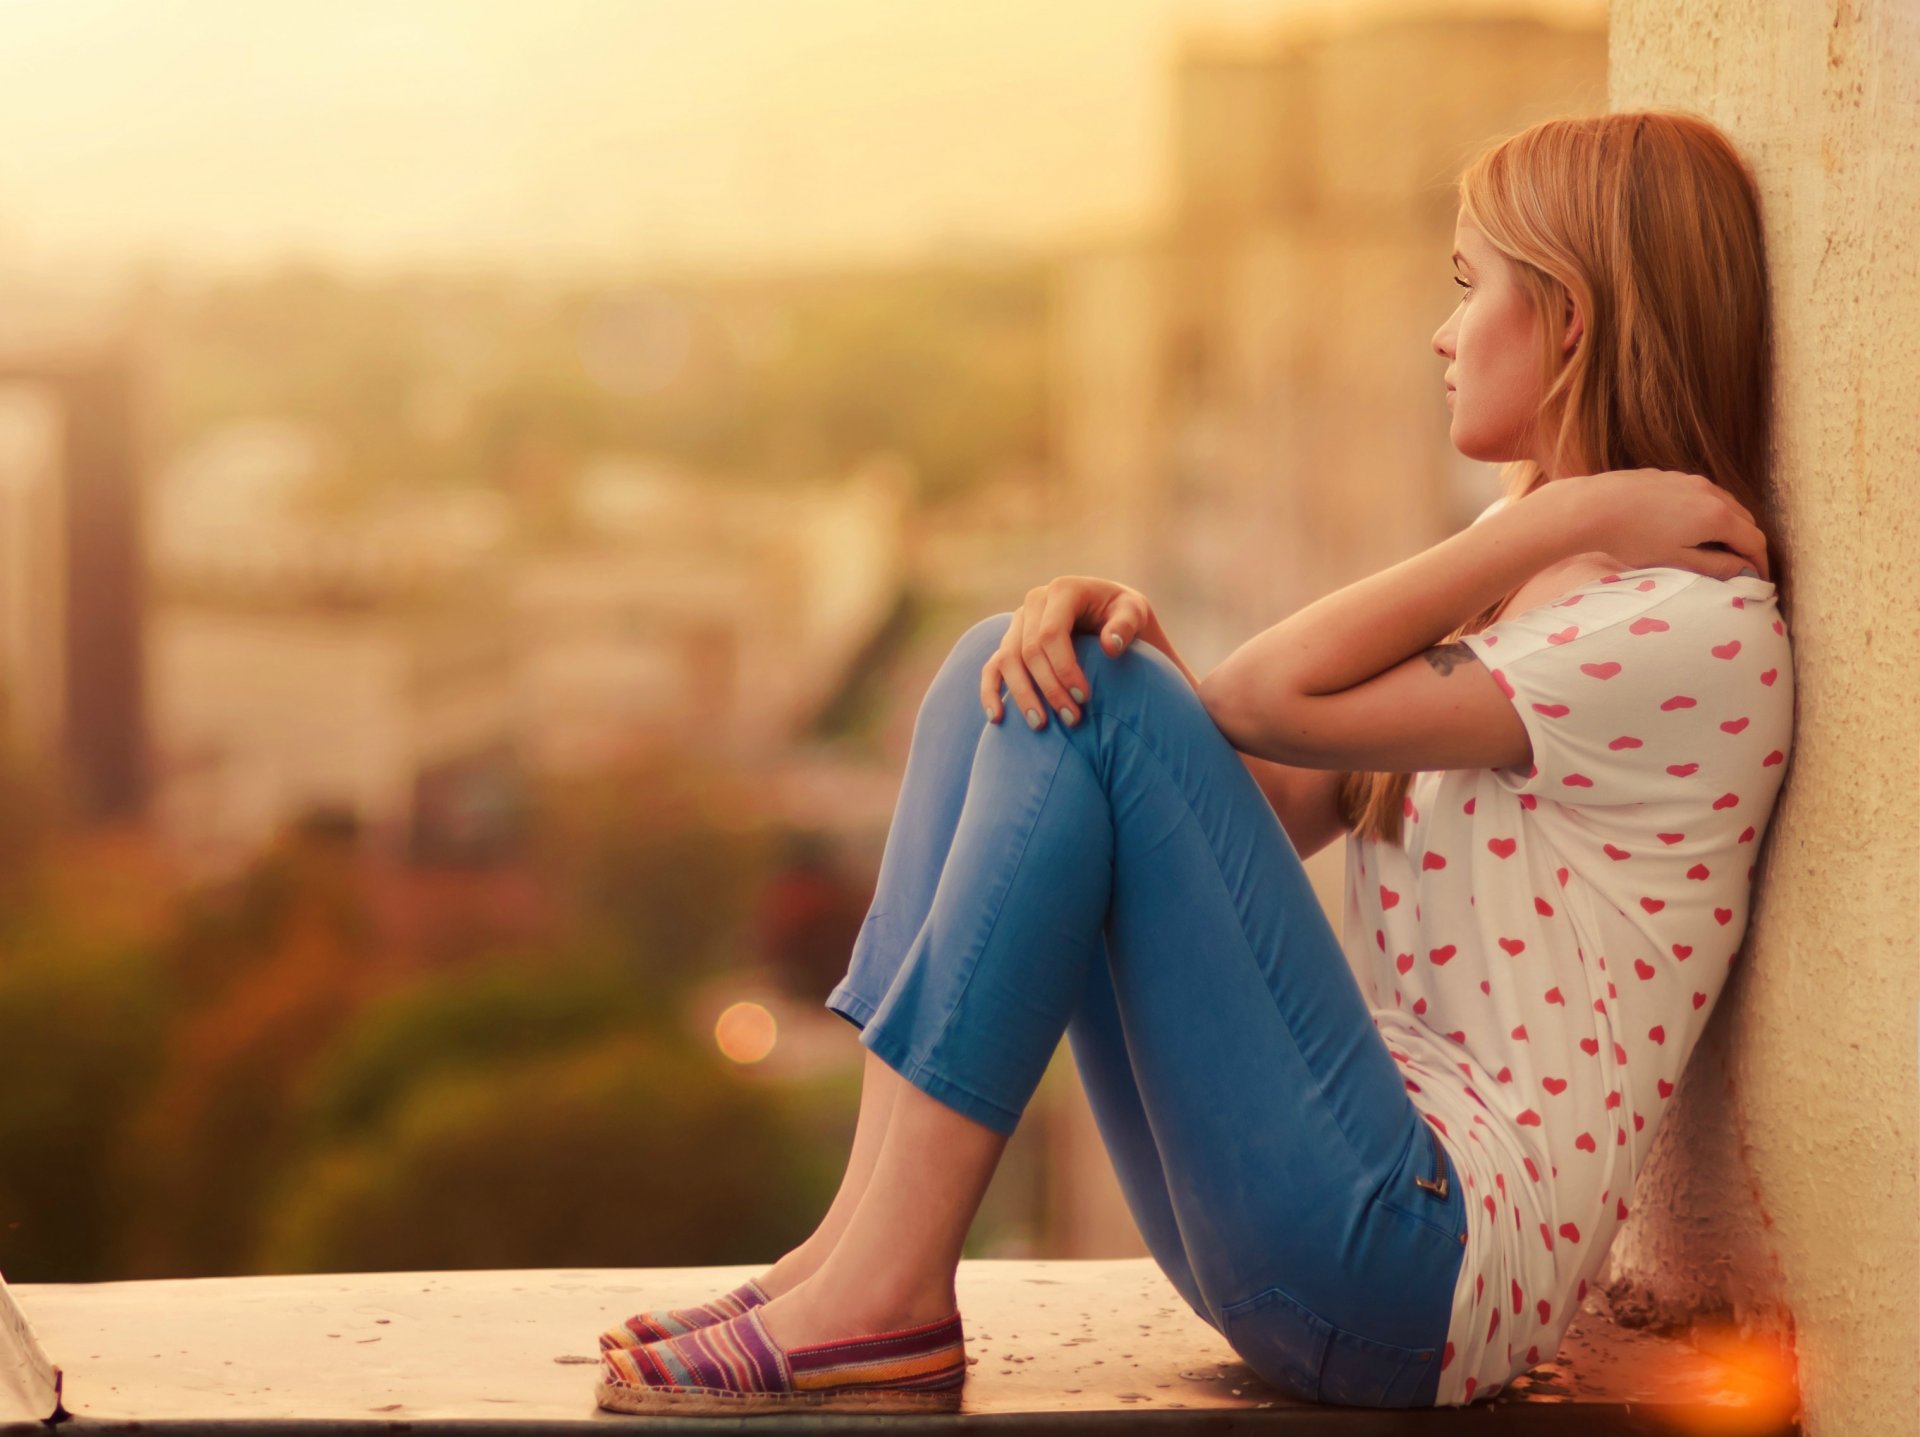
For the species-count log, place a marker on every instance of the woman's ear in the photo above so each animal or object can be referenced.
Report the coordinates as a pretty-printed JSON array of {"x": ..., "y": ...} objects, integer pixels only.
[{"x": 1570, "y": 336}]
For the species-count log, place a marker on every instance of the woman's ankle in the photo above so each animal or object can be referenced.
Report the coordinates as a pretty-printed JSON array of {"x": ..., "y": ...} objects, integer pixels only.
[{"x": 794, "y": 1267}]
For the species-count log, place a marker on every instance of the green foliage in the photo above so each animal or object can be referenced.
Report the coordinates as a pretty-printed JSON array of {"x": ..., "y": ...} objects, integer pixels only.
[
  {"x": 259, "y": 1085},
  {"x": 84, "y": 1035},
  {"x": 31, "y": 807},
  {"x": 636, "y": 1152},
  {"x": 507, "y": 1011},
  {"x": 654, "y": 867}
]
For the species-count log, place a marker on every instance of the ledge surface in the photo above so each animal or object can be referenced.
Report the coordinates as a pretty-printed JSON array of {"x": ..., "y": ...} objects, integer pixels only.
[{"x": 1053, "y": 1344}]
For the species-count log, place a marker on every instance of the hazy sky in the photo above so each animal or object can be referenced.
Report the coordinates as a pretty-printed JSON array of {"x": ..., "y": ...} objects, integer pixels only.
[{"x": 596, "y": 131}]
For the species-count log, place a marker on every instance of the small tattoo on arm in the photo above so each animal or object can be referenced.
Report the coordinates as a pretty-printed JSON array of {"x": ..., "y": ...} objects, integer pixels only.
[{"x": 1445, "y": 658}]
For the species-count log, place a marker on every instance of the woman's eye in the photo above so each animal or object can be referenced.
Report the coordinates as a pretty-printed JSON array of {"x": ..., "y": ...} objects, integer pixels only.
[{"x": 1461, "y": 282}]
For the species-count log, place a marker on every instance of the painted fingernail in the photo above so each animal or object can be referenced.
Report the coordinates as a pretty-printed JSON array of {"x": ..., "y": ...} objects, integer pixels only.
[
  {"x": 1078, "y": 697},
  {"x": 1033, "y": 718},
  {"x": 1066, "y": 715}
]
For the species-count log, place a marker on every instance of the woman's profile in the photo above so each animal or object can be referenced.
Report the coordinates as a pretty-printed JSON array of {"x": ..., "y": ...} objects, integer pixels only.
[{"x": 1385, "y": 1162}]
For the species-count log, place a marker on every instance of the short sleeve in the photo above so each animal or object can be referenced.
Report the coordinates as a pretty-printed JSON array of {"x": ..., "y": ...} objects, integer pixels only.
[{"x": 1622, "y": 682}]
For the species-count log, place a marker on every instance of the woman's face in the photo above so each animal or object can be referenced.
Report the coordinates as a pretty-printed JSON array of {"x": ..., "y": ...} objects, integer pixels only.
[{"x": 1492, "y": 344}]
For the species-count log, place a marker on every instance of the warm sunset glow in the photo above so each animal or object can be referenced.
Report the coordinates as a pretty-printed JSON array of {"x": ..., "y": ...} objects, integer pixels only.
[
  {"x": 745, "y": 1032},
  {"x": 1749, "y": 1386},
  {"x": 580, "y": 132}
]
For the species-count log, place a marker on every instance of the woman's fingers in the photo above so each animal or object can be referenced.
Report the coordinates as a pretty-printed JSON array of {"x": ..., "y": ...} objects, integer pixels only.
[
  {"x": 1717, "y": 563},
  {"x": 1751, "y": 540},
  {"x": 1725, "y": 563},
  {"x": 990, "y": 688},
  {"x": 1749, "y": 543},
  {"x": 998, "y": 669},
  {"x": 1008, "y": 666},
  {"x": 1738, "y": 531},
  {"x": 1005, "y": 668},
  {"x": 1036, "y": 660},
  {"x": 1127, "y": 618},
  {"x": 1060, "y": 612},
  {"x": 1046, "y": 691},
  {"x": 1754, "y": 545}
]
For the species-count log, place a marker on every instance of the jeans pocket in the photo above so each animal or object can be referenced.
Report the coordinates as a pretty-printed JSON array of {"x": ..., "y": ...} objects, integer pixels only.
[{"x": 1294, "y": 1349}]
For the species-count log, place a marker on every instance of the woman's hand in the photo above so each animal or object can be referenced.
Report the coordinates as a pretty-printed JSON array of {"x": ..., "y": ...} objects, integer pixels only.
[
  {"x": 1648, "y": 518},
  {"x": 1036, "y": 661}
]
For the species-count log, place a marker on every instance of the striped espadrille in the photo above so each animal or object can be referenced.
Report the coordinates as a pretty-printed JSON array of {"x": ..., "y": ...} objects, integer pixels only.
[
  {"x": 735, "y": 1366},
  {"x": 652, "y": 1326}
]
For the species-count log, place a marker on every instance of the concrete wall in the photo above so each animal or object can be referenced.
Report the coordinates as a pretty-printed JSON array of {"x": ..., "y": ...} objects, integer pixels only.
[{"x": 1782, "y": 1191}]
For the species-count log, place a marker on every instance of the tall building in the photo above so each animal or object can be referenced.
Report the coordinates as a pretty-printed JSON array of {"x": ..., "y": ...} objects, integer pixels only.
[
  {"x": 33, "y": 573},
  {"x": 72, "y": 592},
  {"x": 1247, "y": 404}
]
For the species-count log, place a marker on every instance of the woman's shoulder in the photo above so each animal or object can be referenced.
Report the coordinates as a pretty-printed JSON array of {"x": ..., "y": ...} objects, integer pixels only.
[
  {"x": 1739, "y": 603},
  {"x": 1687, "y": 592}
]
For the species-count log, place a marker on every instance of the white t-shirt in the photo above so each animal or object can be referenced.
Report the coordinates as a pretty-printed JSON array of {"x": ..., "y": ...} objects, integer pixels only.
[{"x": 1543, "y": 952}]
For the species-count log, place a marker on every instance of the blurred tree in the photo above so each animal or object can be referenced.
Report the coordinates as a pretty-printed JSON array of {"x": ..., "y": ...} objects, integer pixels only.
[
  {"x": 170, "y": 1099},
  {"x": 509, "y": 1010},
  {"x": 809, "y": 914},
  {"x": 660, "y": 858},
  {"x": 84, "y": 1035},
  {"x": 221, "y": 928},
  {"x": 33, "y": 809},
  {"x": 216, "y": 1125},
  {"x": 639, "y": 1152}
]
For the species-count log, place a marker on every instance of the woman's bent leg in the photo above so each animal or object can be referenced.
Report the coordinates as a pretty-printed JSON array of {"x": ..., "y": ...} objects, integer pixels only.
[
  {"x": 1227, "y": 1022},
  {"x": 1287, "y": 1144},
  {"x": 940, "y": 763},
  {"x": 946, "y": 734}
]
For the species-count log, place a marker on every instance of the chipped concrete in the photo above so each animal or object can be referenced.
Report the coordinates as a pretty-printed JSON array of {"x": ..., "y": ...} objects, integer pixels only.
[{"x": 29, "y": 1381}]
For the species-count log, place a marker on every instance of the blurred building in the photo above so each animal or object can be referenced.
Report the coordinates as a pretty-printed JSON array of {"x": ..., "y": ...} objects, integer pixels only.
[
  {"x": 33, "y": 571},
  {"x": 1248, "y": 406},
  {"x": 357, "y": 667},
  {"x": 398, "y": 720},
  {"x": 981, "y": 550},
  {"x": 72, "y": 583},
  {"x": 1248, "y": 410},
  {"x": 723, "y": 616}
]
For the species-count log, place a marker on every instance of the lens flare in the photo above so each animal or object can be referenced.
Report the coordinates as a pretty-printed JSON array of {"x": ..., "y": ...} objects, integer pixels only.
[{"x": 745, "y": 1032}]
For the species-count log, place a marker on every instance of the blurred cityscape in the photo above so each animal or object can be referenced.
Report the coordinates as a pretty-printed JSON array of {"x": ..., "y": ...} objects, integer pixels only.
[{"x": 446, "y": 716}]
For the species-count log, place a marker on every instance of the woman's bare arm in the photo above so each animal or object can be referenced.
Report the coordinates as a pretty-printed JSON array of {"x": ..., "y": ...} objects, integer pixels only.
[
  {"x": 1305, "y": 799},
  {"x": 1359, "y": 632}
]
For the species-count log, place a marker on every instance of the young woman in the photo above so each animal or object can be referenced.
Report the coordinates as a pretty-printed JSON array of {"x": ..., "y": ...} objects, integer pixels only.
[{"x": 1385, "y": 1167}]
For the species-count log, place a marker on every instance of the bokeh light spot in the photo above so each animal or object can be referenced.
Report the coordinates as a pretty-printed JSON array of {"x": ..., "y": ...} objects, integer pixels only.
[{"x": 745, "y": 1032}]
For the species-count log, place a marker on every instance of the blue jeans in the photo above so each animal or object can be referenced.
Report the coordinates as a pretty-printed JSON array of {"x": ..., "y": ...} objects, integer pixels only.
[{"x": 1125, "y": 881}]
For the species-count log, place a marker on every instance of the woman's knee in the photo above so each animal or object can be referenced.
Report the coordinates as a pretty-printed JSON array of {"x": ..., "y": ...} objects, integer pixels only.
[
  {"x": 959, "y": 677},
  {"x": 1140, "y": 674},
  {"x": 985, "y": 636}
]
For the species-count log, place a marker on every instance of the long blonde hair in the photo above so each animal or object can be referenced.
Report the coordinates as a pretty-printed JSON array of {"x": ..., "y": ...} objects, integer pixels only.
[{"x": 1650, "y": 221}]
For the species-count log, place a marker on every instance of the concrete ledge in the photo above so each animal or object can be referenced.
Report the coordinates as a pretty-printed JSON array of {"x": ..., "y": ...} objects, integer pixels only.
[{"x": 1055, "y": 1346}]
